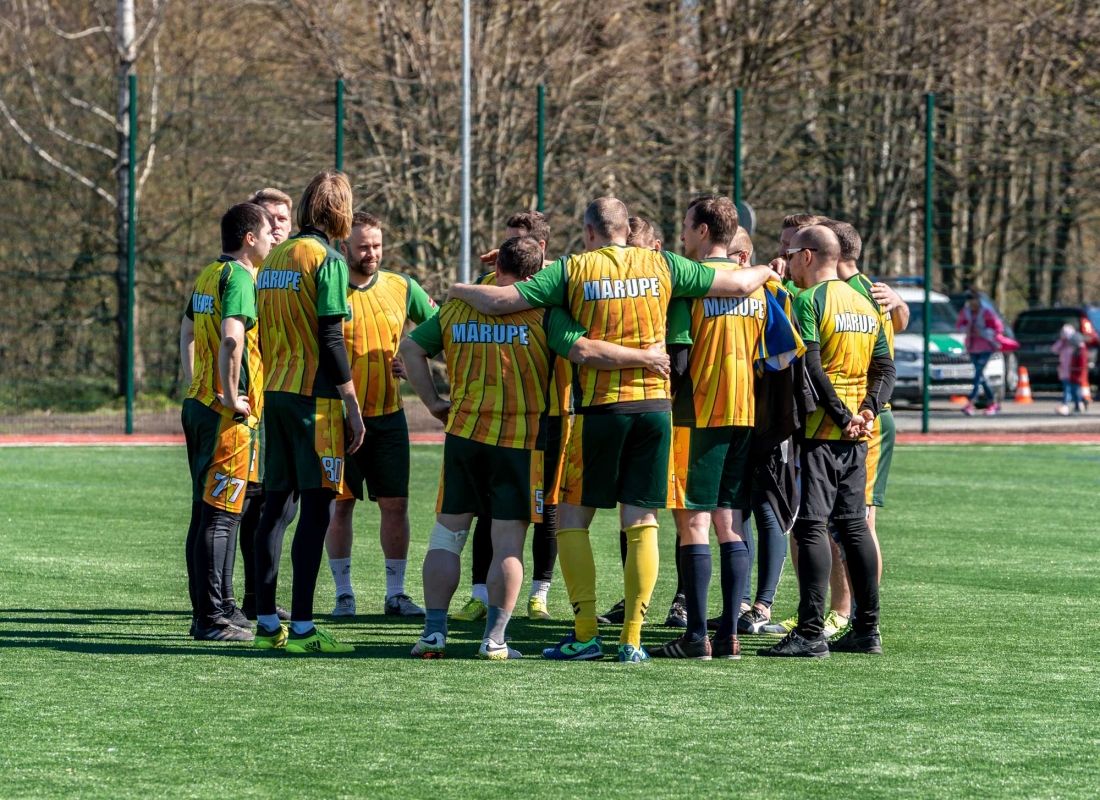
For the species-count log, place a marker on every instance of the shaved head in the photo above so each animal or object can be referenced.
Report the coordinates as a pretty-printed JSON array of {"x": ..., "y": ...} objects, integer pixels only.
[
  {"x": 821, "y": 240},
  {"x": 608, "y": 218},
  {"x": 742, "y": 242}
]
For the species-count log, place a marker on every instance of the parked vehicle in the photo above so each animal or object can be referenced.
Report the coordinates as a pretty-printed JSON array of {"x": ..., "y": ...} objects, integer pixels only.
[
  {"x": 1011, "y": 361},
  {"x": 1038, "y": 328},
  {"x": 950, "y": 369}
]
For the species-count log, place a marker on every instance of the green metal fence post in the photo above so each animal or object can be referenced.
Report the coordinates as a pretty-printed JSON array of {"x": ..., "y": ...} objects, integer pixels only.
[
  {"x": 131, "y": 253},
  {"x": 737, "y": 146},
  {"x": 540, "y": 177},
  {"x": 339, "y": 124},
  {"x": 929, "y": 114}
]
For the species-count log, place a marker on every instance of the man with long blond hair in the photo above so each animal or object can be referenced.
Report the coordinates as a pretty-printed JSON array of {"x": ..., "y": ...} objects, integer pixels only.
[{"x": 309, "y": 398}]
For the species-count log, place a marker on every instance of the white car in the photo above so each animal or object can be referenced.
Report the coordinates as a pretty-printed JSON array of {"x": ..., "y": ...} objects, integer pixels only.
[{"x": 951, "y": 371}]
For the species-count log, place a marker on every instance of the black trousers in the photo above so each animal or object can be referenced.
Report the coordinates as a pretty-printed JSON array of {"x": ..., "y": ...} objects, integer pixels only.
[
  {"x": 544, "y": 547},
  {"x": 316, "y": 508},
  {"x": 815, "y": 562},
  {"x": 246, "y": 534},
  {"x": 210, "y": 536}
]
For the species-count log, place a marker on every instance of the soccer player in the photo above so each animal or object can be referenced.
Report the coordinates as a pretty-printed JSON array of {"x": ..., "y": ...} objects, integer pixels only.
[
  {"x": 715, "y": 345},
  {"x": 309, "y": 398},
  {"x": 500, "y": 369},
  {"x": 279, "y": 205},
  {"x": 849, "y": 366},
  {"x": 643, "y": 234},
  {"x": 220, "y": 351},
  {"x": 618, "y": 449},
  {"x": 381, "y": 302},
  {"x": 880, "y": 448},
  {"x": 544, "y": 542}
]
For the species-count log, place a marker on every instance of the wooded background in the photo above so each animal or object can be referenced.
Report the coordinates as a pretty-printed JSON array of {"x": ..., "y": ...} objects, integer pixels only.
[{"x": 234, "y": 96}]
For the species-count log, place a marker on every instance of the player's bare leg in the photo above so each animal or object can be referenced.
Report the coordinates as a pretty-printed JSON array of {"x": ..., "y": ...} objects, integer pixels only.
[
  {"x": 505, "y": 581},
  {"x": 442, "y": 571},
  {"x": 394, "y": 536}
]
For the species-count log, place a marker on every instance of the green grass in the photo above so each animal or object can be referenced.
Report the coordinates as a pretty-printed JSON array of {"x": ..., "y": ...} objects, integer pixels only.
[{"x": 989, "y": 687}]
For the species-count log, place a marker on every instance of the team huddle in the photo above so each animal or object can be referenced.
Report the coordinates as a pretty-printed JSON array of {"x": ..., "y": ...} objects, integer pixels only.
[{"x": 623, "y": 377}]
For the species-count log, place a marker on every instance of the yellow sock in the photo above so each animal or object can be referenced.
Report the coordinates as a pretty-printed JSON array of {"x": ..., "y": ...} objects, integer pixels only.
[
  {"x": 578, "y": 567},
  {"x": 640, "y": 577}
]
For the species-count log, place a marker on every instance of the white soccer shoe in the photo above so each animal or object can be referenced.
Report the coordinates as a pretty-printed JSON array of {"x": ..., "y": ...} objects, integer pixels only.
[
  {"x": 497, "y": 652},
  {"x": 345, "y": 606},
  {"x": 432, "y": 646}
]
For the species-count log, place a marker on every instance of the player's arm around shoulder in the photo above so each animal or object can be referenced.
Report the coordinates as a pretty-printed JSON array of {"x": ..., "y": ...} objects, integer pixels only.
[
  {"x": 415, "y": 350},
  {"x": 567, "y": 338},
  {"x": 692, "y": 279}
]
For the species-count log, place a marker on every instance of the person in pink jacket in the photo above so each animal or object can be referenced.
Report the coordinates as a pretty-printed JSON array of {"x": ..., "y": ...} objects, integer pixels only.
[{"x": 982, "y": 326}]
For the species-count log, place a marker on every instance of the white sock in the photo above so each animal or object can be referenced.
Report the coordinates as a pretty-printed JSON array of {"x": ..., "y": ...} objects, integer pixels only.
[
  {"x": 269, "y": 621},
  {"x": 301, "y": 627},
  {"x": 341, "y": 574},
  {"x": 395, "y": 576},
  {"x": 480, "y": 592},
  {"x": 539, "y": 589}
]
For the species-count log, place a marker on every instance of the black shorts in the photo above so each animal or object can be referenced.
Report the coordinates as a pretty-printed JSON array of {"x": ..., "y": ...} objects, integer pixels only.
[
  {"x": 382, "y": 462},
  {"x": 489, "y": 481},
  {"x": 834, "y": 480}
]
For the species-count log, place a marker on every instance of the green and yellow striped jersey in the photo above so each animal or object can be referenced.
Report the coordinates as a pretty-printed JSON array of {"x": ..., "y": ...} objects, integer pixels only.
[
  {"x": 223, "y": 289},
  {"x": 499, "y": 368},
  {"x": 848, "y": 328},
  {"x": 378, "y": 313}
]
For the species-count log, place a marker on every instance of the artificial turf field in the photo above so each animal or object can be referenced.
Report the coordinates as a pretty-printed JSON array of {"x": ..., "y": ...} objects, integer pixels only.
[{"x": 989, "y": 686}]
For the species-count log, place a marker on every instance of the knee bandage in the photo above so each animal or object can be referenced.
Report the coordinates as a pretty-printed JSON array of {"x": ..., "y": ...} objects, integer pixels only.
[{"x": 444, "y": 539}]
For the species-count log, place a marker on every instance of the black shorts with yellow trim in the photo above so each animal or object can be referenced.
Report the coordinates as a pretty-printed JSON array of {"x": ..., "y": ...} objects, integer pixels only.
[
  {"x": 618, "y": 458},
  {"x": 223, "y": 454},
  {"x": 304, "y": 442},
  {"x": 880, "y": 454},
  {"x": 490, "y": 481},
  {"x": 709, "y": 468},
  {"x": 557, "y": 438},
  {"x": 382, "y": 463},
  {"x": 834, "y": 480}
]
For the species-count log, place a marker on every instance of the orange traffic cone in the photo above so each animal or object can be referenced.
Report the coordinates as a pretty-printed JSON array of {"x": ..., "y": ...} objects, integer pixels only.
[
  {"x": 960, "y": 399},
  {"x": 1023, "y": 387},
  {"x": 1086, "y": 392}
]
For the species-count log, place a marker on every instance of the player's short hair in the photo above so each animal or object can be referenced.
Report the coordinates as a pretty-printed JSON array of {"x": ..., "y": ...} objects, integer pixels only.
[
  {"x": 719, "y": 214},
  {"x": 802, "y": 220},
  {"x": 271, "y": 196},
  {"x": 851, "y": 245},
  {"x": 362, "y": 219},
  {"x": 642, "y": 233},
  {"x": 326, "y": 205},
  {"x": 241, "y": 220},
  {"x": 741, "y": 242},
  {"x": 521, "y": 257},
  {"x": 608, "y": 217},
  {"x": 534, "y": 222},
  {"x": 821, "y": 239}
]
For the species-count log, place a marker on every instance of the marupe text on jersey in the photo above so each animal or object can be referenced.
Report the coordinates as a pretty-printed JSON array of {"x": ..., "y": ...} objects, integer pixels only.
[
  {"x": 733, "y": 306},
  {"x": 279, "y": 279},
  {"x": 473, "y": 332},
  {"x": 847, "y": 322},
  {"x": 615, "y": 289},
  {"x": 202, "y": 303}
]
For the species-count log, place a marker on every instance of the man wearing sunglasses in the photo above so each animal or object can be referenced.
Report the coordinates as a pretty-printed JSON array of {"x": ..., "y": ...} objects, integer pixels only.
[{"x": 851, "y": 372}]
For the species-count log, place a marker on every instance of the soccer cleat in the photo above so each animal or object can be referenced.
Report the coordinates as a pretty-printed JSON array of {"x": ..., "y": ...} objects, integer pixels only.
[
  {"x": 431, "y": 646},
  {"x": 781, "y": 628},
  {"x": 683, "y": 648},
  {"x": 629, "y": 654},
  {"x": 537, "y": 608},
  {"x": 401, "y": 605},
  {"x": 869, "y": 643},
  {"x": 345, "y": 606},
  {"x": 492, "y": 651},
  {"x": 248, "y": 607},
  {"x": 472, "y": 611},
  {"x": 677, "y": 613},
  {"x": 727, "y": 647},
  {"x": 794, "y": 645},
  {"x": 752, "y": 621},
  {"x": 569, "y": 649},
  {"x": 270, "y": 640},
  {"x": 834, "y": 622},
  {"x": 235, "y": 616},
  {"x": 318, "y": 640},
  {"x": 222, "y": 632},
  {"x": 615, "y": 616}
]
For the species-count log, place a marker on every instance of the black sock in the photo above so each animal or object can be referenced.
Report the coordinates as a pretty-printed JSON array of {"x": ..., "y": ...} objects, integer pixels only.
[
  {"x": 679, "y": 575},
  {"x": 269, "y": 549},
  {"x": 735, "y": 576},
  {"x": 544, "y": 545},
  {"x": 622, "y": 546},
  {"x": 695, "y": 561},
  {"x": 189, "y": 547},
  {"x": 482, "y": 556},
  {"x": 309, "y": 545}
]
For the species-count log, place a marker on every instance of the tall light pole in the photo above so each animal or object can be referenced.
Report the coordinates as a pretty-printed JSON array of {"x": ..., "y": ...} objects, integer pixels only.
[{"x": 464, "y": 258}]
